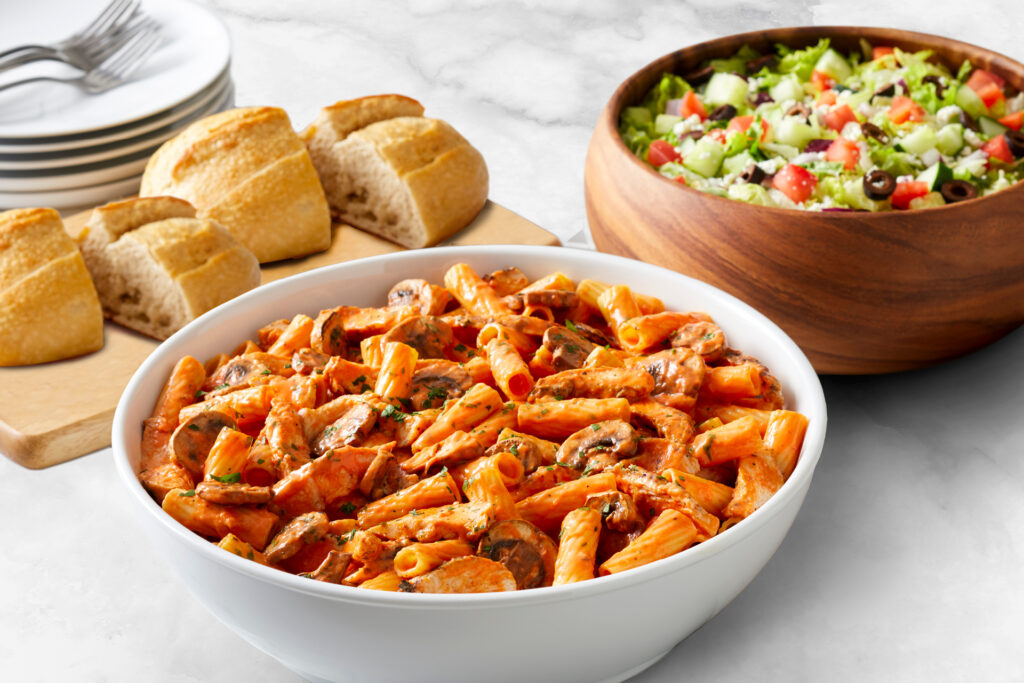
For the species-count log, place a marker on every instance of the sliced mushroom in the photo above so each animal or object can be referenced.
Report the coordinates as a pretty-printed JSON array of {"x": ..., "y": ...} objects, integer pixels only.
[
  {"x": 593, "y": 335},
  {"x": 349, "y": 429},
  {"x": 306, "y": 361},
  {"x": 678, "y": 374},
  {"x": 611, "y": 437},
  {"x": 568, "y": 349},
  {"x": 224, "y": 493},
  {"x": 706, "y": 338},
  {"x": 328, "y": 336},
  {"x": 428, "y": 298},
  {"x": 667, "y": 422},
  {"x": 524, "y": 549},
  {"x": 617, "y": 510},
  {"x": 301, "y": 531},
  {"x": 524, "y": 449},
  {"x": 463, "y": 575},
  {"x": 193, "y": 438},
  {"x": 333, "y": 568},
  {"x": 632, "y": 384},
  {"x": 429, "y": 335},
  {"x": 436, "y": 381},
  {"x": 237, "y": 373},
  {"x": 552, "y": 298},
  {"x": 506, "y": 281},
  {"x": 384, "y": 476}
]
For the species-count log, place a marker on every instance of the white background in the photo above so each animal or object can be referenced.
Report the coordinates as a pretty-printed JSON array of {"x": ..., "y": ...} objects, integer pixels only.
[{"x": 906, "y": 560}]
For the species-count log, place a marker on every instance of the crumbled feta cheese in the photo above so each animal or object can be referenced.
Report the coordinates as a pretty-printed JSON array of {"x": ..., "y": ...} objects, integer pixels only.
[
  {"x": 867, "y": 110},
  {"x": 852, "y": 131},
  {"x": 691, "y": 122},
  {"x": 930, "y": 157},
  {"x": 808, "y": 157},
  {"x": 948, "y": 114},
  {"x": 770, "y": 166},
  {"x": 972, "y": 138}
]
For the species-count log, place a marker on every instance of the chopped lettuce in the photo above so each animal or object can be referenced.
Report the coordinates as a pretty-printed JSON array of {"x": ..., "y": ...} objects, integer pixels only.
[{"x": 801, "y": 62}]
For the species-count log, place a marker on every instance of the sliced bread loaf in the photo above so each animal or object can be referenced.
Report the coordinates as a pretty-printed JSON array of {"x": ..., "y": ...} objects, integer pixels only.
[{"x": 157, "y": 266}]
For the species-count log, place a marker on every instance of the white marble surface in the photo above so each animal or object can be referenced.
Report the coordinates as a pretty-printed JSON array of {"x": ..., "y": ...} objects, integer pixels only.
[{"x": 906, "y": 560}]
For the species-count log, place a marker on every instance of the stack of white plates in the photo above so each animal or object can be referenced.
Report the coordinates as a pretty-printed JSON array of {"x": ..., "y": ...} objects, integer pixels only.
[{"x": 63, "y": 148}]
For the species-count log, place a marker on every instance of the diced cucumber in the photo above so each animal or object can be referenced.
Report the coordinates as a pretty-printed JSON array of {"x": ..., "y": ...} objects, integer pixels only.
[
  {"x": 638, "y": 117},
  {"x": 855, "y": 197},
  {"x": 785, "y": 151},
  {"x": 969, "y": 101},
  {"x": 950, "y": 139},
  {"x": 919, "y": 140},
  {"x": 752, "y": 194},
  {"x": 686, "y": 146},
  {"x": 854, "y": 99},
  {"x": 935, "y": 175},
  {"x": 832, "y": 64},
  {"x": 664, "y": 123},
  {"x": 726, "y": 88},
  {"x": 929, "y": 200},
  {"x": 705, "y": 158},
  {"x": 990, "y": 127},
  {"x": 795, "y": 132},
  {"x": 788, "y": 88},
  {"x": 737, "y": 163}
]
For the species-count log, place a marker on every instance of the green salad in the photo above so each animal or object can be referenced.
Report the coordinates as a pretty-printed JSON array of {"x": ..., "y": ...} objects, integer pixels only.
[{"x": 814, "y": 129}]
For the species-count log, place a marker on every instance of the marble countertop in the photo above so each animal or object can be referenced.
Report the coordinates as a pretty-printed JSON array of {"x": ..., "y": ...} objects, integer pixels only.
[{"x": 905, "y": 562}]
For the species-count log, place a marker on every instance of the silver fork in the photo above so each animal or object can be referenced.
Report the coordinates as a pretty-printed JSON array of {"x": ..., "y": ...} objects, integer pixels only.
[
  {"x": 85, "y": 49},
  {"x": 115, "y": 70}
]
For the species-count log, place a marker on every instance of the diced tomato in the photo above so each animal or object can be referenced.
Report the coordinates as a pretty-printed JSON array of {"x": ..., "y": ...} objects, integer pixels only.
[
  {"x": 907, "y": 191},
  {"x": 718, "y": 135},
  {"x": 1014, "y": 120},
  {"x": 826, "y": 97},
  {"x": 680, "y": 179},
  {"x": 988, "y": 86},
  {"x": 905, "y": 109},
  {"x": 739, "y": 124},
  {"x": 661, "y": 152},
  {"x": 821, "y": 81},
  {"x": 998, "y": 148},
  {"x": 691, "y": 105},
  {"x": 844, "y": 151},
  {"x": 796, "y": 182},
  {"x": 838, "y": 116},
  {"x": 881, "y": 51}
]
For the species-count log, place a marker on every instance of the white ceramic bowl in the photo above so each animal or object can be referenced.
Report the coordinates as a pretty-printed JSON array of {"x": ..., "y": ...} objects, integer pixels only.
[{"x": 329, "y": 632}]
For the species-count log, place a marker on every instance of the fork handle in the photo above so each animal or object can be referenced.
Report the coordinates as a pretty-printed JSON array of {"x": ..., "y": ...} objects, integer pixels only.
[
  {"x": 13, "y": 58},
  {"x": 26, "y": 48},
  {"x": 35, "y": 79}
]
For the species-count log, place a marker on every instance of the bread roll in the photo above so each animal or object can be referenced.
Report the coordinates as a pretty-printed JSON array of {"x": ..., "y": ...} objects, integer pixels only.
[
  {"x": 48, "y": 305},
  {"x": 389, "y": 171},
  {"x": 157, "y": 266},
  {"x": 224, "y": 164}
]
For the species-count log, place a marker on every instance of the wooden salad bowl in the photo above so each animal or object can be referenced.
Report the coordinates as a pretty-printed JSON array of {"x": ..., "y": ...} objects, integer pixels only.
[{"x": 860, "y": 292}]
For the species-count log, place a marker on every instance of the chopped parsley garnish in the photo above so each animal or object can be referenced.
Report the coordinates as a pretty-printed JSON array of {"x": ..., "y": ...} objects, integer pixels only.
[
  {"x": 232, "y": 478},
  {"x": 393, "y": 413}
]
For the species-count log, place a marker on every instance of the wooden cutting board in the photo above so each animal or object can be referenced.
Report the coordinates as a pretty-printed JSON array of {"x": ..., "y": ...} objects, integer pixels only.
[{"x": 54, "y": 412}]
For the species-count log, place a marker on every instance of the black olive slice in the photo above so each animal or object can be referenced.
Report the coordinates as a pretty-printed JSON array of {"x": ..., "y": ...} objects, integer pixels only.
[
  {"x": 958, "y": 191},
  {"x": 870, "y": 130},
  {"x": 762, "y": 98},
  {"x": 752, "y": 174},
  {"x": 755, "y": 65},
  {"x": 934, "y": 80},
  {"x": 700, "y": 75},
  {"x": 725, "y": 111},
  {"x": 799, "y": 109},
  {"x": 967, "y": 121},
  {"x": 886, "y": 91},
  {"x": 878, "y": 184},
  {"x": 1015, "y": 141},
  {"x": 695, "y": 134}
]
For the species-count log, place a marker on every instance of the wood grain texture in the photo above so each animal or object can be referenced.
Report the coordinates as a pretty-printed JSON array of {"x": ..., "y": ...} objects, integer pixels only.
[
  {"x": 861, "y": 293},
  {"x": 54, "y": 412}
]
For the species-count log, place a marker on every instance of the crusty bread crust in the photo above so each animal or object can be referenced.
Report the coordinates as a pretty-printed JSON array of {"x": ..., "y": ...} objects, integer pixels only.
[
  {"x": 388, "y": 170},
  {"x": 49, "y": 309},
  {"x": 210, "y": 162},
  {"x": 157, "y": 268}
]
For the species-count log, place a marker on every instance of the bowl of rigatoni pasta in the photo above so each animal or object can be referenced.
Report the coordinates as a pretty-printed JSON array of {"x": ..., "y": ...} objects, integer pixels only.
[{"x": 417, "y": 449}]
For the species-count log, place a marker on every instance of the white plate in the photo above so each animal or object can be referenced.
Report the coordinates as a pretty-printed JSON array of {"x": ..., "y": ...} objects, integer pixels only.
[
  {"x": 66, "y": 199},
  {"x": 81, "y": 175},
  {"x": 195, "y": 51},
  {"x": 106, "y": 136},
  {"x": 30, "y": 163}
]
